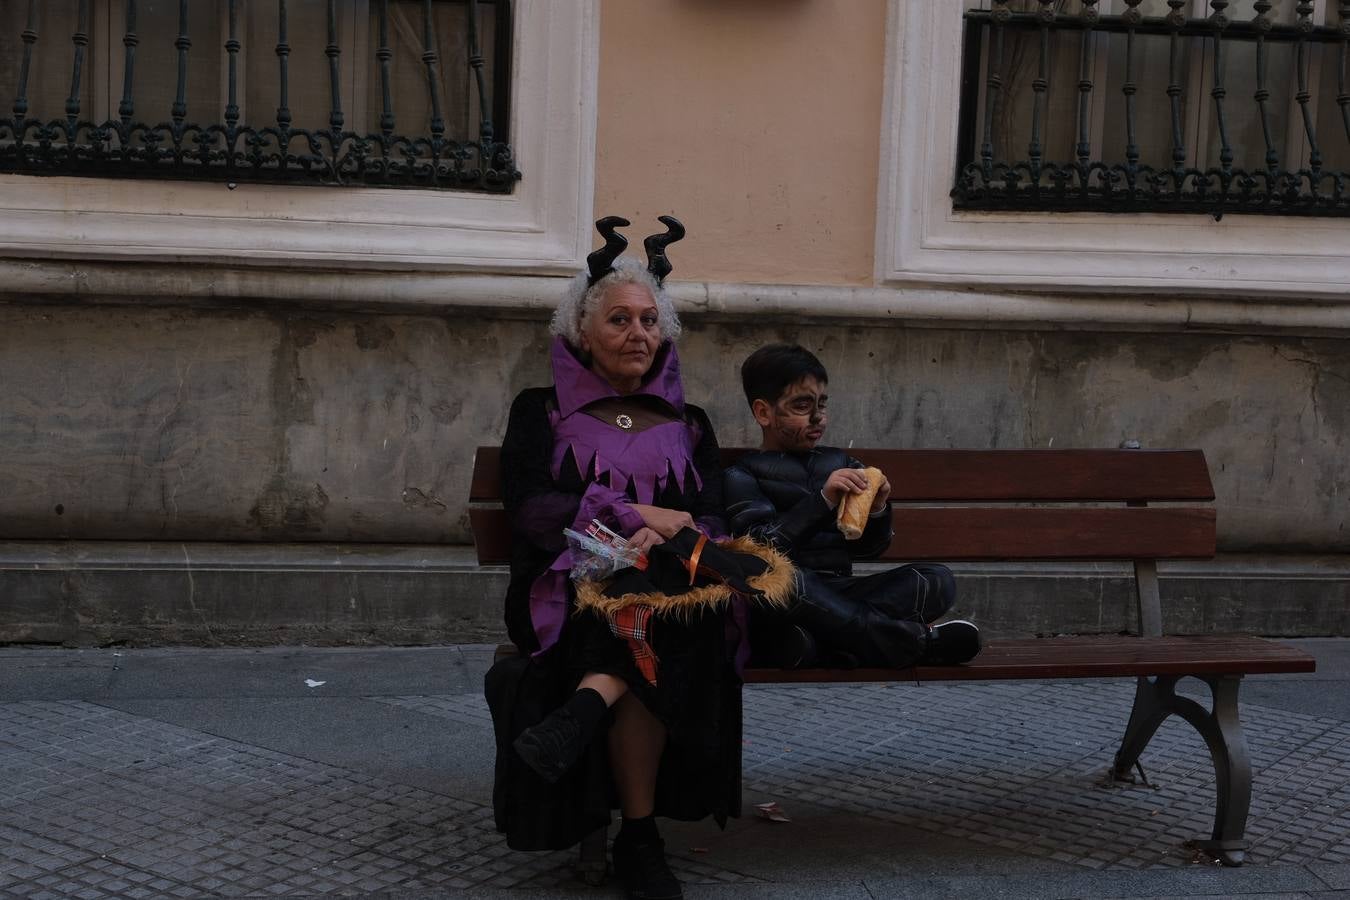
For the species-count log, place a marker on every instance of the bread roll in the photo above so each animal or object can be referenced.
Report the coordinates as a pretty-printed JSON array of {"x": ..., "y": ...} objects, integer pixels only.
[{"x": 855, "y": 508}]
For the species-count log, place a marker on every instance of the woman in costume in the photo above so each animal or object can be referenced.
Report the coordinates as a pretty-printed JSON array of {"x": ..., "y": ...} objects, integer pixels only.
[{"x": 603, "y": 707}]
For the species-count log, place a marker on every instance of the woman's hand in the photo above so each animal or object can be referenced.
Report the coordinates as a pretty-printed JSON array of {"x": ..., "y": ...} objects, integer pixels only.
[
  {"x": 645, "y": 539},
  {"x": 665, "y": 522},
  {"x": 841, "y": 482}
]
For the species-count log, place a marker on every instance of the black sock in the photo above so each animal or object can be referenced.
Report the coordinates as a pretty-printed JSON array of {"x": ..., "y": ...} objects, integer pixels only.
[
  {"x": 638, "y": 831},
  {"x": 588, "y": 708}
]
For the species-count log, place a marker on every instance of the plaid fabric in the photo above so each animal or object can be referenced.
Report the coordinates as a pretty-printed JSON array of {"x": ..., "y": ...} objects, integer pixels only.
[{"x": 633, "y": 623}]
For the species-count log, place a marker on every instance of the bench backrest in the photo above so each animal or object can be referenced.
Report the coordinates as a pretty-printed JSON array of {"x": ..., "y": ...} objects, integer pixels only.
[
  {"x": 955, "y": 505},
  {"x": 971, "y": 504}
]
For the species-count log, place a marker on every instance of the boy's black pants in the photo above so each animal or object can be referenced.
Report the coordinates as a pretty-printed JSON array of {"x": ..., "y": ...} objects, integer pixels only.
[{"x": 868, "y": 620}]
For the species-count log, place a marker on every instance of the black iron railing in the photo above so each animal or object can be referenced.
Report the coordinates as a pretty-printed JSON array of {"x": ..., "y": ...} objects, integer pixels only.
[
  {"x": 268, "y": 147},
  {"x": 1089, "y": 179}
]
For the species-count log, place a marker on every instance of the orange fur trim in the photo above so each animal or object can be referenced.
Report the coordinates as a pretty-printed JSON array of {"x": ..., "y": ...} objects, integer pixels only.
[{"x": 775, "y": 584}]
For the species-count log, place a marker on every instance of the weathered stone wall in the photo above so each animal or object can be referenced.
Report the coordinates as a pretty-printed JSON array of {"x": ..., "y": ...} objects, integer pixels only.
[{"x": 242, "y": 424}]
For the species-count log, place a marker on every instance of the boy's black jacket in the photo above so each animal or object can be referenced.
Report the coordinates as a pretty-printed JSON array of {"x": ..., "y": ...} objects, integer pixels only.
[{"x": 775, "y": 497}]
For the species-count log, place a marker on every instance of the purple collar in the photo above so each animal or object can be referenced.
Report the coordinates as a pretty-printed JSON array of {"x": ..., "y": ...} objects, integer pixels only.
[{"x": 578, "y": 386}]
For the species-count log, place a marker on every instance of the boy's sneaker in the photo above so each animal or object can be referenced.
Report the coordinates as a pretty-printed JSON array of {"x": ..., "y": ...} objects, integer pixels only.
[
  {"x": 553, "y": 746},
  {"x": 952, "y": 643},
  {"x": 642, "y": 869}
]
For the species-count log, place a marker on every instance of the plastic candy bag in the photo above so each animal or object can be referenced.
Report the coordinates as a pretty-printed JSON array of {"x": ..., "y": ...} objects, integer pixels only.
[{"x": 600, "y": 552}]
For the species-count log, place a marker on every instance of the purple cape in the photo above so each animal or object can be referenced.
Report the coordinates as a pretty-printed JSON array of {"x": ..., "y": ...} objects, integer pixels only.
[{"x": 616, "y": 462}]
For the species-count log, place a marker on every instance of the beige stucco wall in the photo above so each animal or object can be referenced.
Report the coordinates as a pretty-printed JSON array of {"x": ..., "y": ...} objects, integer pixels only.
[{"x": 757, "y": 122}]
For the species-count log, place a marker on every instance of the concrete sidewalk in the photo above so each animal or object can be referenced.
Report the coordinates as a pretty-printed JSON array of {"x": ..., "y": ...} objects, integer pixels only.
[{"x": 313, "y": 772}]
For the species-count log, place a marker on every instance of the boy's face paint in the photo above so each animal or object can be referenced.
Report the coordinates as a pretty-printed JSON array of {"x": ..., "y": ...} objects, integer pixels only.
[{"x": 796, "y": 421}]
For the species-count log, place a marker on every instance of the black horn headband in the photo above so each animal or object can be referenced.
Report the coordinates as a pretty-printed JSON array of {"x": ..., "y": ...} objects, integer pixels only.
[
  {"x": 656, "y": 245},
  {"x": 601, "y": 262}
]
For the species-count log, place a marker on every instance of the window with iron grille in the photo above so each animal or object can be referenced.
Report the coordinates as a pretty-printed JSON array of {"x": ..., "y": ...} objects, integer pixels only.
[
  {"x": 390, "y": 93},
  {"x": 1156, "y": 106}
]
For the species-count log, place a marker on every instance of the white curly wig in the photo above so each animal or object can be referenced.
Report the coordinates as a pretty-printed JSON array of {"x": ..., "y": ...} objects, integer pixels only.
[{"x": 579, "y": 302}]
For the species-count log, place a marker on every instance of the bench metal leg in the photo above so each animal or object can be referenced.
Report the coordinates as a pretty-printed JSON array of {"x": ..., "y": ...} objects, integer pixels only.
[
  {"x": 591, "y": 865},
  {"x": 1154, "y": 700}
]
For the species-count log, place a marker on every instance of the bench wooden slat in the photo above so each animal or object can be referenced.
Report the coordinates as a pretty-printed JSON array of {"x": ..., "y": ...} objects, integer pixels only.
[
  {"x": 991, "y": 533},
  {"x": 491, "y": 536},
  {"x": 1073, "y": 657},
  {"x": 486, "y": 484},
  {"x": 1081, "y": 657},
  {"x": 992, "y": 475},
  {"x": 994, "y": 533},
  {"x": 1044, "y": 475}
]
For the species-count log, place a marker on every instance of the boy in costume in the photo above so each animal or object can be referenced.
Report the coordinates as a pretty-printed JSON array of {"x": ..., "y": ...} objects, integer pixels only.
[{"x": 786, "y": 494}]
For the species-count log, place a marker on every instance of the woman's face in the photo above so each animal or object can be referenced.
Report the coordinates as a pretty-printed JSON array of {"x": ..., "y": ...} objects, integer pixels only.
[{"x": 622, "y": 335}]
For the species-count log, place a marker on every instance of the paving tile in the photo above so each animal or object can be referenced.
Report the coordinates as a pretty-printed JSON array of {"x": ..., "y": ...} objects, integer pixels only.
[
  {"x": 980, "y": 765},
  {"x": 1335, "y": 875},
  {"x": 112, "y": 804},
  {"x": 1285, "y": 882}
]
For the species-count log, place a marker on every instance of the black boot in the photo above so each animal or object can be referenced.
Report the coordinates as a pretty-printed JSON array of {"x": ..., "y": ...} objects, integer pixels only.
[
  {"x": 776, "y": 642},
  {"x": 555, "y": 744},
  {"x": 952, "y": 643},
  {"x": 799, "y": 649},
  {"x": 640, "y": 862}
]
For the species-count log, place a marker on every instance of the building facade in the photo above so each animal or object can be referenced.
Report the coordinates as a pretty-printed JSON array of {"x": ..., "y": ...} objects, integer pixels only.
[{"x": 247, "y": 411}]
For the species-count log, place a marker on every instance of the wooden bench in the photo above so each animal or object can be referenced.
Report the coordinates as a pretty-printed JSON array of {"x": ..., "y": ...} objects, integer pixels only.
[{"x": 958, "y": 505}]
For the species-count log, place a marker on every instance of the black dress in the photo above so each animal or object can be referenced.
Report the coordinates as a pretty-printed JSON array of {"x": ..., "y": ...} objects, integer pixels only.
[{"x": 697, "y": 694}]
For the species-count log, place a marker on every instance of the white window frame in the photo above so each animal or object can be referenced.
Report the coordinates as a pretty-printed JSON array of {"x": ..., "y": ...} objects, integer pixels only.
[
  {"x": 922, "y": 240},
  {"x": 541, "y": 227}
]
